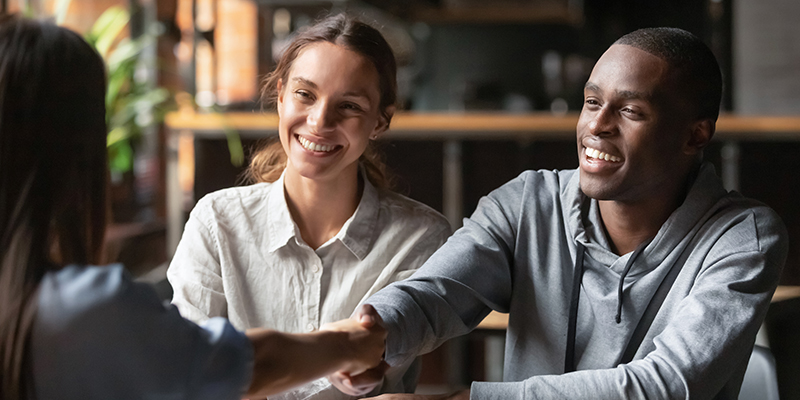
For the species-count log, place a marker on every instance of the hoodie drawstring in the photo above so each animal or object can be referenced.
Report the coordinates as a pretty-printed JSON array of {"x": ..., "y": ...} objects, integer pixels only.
[
  {"x": 569, "y": 360},
  {"x": 625, "y": 271}
]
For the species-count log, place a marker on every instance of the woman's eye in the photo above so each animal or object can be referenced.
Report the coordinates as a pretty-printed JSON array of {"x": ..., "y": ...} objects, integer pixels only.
[{"x": 302, "y": 94}]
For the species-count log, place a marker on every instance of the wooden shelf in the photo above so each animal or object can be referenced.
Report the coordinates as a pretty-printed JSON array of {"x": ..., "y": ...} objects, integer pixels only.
[{"x": 477, "y": 126}]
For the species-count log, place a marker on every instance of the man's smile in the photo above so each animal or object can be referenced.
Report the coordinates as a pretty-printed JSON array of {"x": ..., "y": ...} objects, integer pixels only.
[{"x": 597, "y": 154}]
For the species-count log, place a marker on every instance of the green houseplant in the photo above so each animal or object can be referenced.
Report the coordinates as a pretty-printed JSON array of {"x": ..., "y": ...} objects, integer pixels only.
[{"x": 132, "y": 103}]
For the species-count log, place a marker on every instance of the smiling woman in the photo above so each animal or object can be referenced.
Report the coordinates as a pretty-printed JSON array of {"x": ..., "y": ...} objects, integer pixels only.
[
  {"x": 359, "y": 41},
  {"x": 318, "y": 231}
]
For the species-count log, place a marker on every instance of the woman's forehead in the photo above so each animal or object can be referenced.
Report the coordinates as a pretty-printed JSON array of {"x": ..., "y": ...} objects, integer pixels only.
[{"x": 329, "y": 66}]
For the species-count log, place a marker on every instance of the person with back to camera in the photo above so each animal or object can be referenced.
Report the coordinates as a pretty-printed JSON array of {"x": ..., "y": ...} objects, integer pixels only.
[
  {"x": 635, "y": 276},
  {"x": 318, "y": 232},
  {"x": 69, "y": 330}
]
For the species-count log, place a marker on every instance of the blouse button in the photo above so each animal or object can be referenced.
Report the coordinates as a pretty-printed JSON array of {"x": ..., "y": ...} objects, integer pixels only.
[
  {"x": 310, "y": 327},
  {"x": 315, "y": 269}
]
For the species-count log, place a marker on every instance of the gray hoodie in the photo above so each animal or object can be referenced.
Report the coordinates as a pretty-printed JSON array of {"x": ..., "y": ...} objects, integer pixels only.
[{"x": 517, "y": 254}]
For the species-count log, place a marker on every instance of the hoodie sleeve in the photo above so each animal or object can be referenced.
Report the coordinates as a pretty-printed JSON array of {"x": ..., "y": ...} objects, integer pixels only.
[{"x": 458, "y": 285}]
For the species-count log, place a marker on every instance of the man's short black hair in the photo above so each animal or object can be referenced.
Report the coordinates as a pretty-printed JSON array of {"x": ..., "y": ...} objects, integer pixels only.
[{"x": 694, "y": 62}]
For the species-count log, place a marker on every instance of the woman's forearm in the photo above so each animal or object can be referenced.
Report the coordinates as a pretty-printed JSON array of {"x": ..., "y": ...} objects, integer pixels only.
[{"x": 283, "y": 360}]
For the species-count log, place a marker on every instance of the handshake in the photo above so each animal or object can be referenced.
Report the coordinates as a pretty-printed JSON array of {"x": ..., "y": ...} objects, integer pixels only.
[
  {"x": 364, "y": 346},
  {"x": 363, "y": 376},
  {"x": 349, "y": 352}
]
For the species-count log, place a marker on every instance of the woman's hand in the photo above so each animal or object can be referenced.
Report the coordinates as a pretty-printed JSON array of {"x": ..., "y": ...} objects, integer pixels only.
[
  {"x": 361, "y": 384},
  {"x": 284, "y": 360}
]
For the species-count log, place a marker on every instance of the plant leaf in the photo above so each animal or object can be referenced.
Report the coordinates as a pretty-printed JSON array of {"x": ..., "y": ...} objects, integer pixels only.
[
  {"x": 121, "y": 157},
  {"x": 127, "y": 51},
  {"x": 106, "y": 29},
  {"x": 117, "y": 135},
  {"x": 61, "y": 11}
]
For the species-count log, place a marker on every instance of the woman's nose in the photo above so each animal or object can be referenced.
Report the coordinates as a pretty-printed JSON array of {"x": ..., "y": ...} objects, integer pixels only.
[{"x": 321, "y": 118}]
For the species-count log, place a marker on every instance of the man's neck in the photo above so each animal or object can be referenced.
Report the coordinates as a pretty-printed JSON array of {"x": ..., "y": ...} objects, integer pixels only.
[
  {"x": 628, "y": 226},
  {"x": 630, "y": 223}
]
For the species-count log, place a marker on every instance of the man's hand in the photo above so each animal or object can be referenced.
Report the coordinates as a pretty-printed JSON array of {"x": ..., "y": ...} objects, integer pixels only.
[
  {"x": 364, "y": 344},
  {"x": 357, "y": 384},
  {"x": 460, "y": 395},
  {"x": 367, "y": 315}
]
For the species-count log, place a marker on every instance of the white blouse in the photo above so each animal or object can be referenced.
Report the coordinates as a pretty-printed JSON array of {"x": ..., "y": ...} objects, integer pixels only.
[{"x": 242, "y": 257}]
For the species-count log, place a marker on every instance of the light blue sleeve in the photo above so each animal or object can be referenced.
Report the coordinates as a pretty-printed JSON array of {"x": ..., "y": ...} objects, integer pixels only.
[{"x": 98, "y": 334}]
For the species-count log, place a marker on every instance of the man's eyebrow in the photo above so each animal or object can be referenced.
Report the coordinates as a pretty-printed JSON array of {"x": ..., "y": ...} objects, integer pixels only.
[
  {"x": 625, "y": 94},
  {"x": 591, "y": 87},
  {"x": 632, "y": 95}
]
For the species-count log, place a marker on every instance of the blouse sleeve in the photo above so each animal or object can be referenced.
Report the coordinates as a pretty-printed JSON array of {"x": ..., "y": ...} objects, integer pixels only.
[
  {"x": 195, "y": 271},
  {"x": 100, "y": 335}
]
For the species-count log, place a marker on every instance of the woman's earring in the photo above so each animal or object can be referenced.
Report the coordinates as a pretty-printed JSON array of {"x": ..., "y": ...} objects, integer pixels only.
[{"x": 373, "y": 136}]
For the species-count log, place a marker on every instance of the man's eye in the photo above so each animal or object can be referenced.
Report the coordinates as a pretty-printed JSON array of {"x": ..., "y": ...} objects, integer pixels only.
[
  {"x": 351, "y": 107},
  {"x": 629, "y": 110}
]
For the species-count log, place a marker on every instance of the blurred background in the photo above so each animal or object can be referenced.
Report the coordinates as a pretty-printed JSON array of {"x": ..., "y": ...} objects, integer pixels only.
[{"x": 487, "y": 88}]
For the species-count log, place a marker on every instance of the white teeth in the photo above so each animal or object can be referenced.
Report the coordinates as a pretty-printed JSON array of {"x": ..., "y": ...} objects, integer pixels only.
[
  {"x": 309, "y": 145},
  {"x": 594, "y": 153}
]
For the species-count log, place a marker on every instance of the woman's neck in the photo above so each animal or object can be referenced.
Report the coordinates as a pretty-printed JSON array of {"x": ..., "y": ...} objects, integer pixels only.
[{"x": 320, "y": 208}]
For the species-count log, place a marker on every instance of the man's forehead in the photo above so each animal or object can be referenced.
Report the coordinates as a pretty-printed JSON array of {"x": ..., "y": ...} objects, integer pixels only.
[
  {"x": 631, "y": 58},
  {"x": 629, "y": 72}
]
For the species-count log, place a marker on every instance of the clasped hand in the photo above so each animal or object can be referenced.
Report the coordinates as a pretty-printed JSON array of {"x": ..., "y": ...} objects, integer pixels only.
[
  {"x": 357, "y": 383},
  {"x": 364, "y": 344}
]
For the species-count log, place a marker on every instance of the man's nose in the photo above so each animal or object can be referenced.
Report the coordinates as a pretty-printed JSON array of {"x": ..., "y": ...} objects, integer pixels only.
[{"x": 602, "y": 122}]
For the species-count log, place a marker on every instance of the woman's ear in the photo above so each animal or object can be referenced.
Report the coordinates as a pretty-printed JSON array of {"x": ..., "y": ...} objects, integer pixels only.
[
  {"x": 702, "y": 132},
  {"x": 279, "y": 89},
  {"x": 384, "y": 118}
]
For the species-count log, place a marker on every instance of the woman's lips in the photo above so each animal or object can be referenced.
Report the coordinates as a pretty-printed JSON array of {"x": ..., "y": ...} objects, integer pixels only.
[{"x": 316, "y": 147}]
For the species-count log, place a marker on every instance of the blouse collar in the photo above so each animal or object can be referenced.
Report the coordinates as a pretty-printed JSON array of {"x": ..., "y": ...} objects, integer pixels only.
[{"x": 356, "y": 234}]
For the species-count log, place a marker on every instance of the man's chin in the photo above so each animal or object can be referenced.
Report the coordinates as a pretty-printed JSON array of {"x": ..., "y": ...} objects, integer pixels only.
[{"x": 597, "y": 189}]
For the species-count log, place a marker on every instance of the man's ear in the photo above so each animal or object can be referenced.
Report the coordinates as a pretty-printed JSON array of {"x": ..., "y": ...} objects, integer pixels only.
[
  {"x": 383, "y": 121},
  {"x": 701, "y": 134}
]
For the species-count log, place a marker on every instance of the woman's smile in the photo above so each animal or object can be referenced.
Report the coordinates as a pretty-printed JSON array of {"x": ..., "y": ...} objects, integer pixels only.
[{"x": 316, "y": 147}]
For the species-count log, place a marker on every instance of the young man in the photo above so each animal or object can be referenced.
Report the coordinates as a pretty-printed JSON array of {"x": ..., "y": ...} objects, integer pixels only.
[{"x": 635, "y": 276}]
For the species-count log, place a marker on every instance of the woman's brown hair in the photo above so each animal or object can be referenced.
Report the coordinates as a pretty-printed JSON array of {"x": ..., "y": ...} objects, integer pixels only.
[
  {"x": 268, "y": 163},
  {"x": 52, "y": 174}
]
